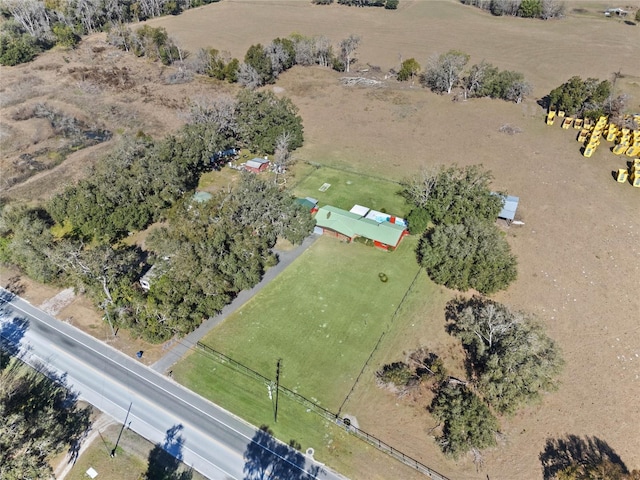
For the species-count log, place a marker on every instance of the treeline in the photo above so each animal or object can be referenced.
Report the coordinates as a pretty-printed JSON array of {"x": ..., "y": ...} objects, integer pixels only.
[
  {"x": 205, "y": 253},
  {"x": 40, "y": 418},
  {"x": 544, "y": 9},
  {"x": 262, "y": 64},
  {"x": 446, "y": 72},
  {"x": 388, "y": 4},
  {"x": 32, "y": 26}
]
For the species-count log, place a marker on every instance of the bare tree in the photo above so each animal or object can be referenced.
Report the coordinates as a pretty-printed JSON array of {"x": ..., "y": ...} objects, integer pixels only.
[
  {"x": 120, "y": 36},
  {"x": 552, "y": 9},
  {"x": 249, "y": 76},
  {"x": 418, "y": 188},
  {"x": 443, "y": 71},
  {"x": 278, "y": 57},
  {"x": 219, "y": 110},
  {"x": 282, "y": 157},
  {"x": 323, "y": 50},
  {"x": 517, "y": 91},
  {"x": 31, "y": 15},
  {"x": 348, "y": 48},
  {"x": 304, "y": 48},
  {"x": 88, "y": 12}
]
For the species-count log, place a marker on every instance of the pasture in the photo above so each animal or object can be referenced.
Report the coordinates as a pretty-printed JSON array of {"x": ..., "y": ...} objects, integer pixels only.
[{"x": 578, "y": 250}]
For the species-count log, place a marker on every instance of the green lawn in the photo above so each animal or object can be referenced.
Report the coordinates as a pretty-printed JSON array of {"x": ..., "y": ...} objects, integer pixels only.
[
  {"x": 348, "y": 189},
  {"x": 249, "y": 399},
  {"x": 322, "y": 317}
]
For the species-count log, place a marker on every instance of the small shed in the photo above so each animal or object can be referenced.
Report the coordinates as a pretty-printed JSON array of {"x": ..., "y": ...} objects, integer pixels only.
[
  {"x": 509, "y": 208},
  {"x": 309, "y": 203},
  {"x": 257, "y": 165}
]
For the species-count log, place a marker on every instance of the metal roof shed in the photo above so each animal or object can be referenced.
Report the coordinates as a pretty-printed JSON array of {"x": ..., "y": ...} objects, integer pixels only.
[{"x": 509, "y": 208}]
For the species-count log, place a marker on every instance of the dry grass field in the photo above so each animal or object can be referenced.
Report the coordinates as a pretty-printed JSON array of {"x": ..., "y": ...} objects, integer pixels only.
[{"x": 579, "y": 247}]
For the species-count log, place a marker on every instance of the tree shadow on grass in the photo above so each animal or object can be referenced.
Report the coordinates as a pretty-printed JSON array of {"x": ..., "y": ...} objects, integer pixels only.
[
  {"x": 266, "y": 458},
  {"x": 165, "y": 460},
  {"x": 11, "y": 333},
  {"x": 572, "y": 450}
]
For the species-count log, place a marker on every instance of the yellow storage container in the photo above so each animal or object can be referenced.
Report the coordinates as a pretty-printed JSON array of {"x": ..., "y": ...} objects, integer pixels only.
[
  {"x": 588, "y": 150},
  {"x": 619, "y": 149},
  {"x": 632, "y": 151},
  {"x": 622, "y": 175},
  {"x": 582, "y": 136},
  {"x": 551, "y": 117}
]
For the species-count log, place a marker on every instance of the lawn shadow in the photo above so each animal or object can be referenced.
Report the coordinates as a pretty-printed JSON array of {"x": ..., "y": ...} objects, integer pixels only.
[
  {"x": 265, "y": 457},
  {"x": 572, "y": 450},
  {"x": 165, "y": 459}
]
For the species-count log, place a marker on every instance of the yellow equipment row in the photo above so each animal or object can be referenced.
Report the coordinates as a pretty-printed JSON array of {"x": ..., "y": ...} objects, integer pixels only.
[{"x": 633, "y": 172}]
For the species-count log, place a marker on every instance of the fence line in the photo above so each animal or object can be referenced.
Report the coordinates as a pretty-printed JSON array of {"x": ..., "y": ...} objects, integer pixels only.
[{"x": 328, "y": 415}]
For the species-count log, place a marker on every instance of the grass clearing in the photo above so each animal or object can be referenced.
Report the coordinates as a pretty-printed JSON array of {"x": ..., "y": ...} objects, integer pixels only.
[
  {"x": 130, "y": 462},
  {"x": 350, "y": 188},
  {"x": 324, "y": 324}
]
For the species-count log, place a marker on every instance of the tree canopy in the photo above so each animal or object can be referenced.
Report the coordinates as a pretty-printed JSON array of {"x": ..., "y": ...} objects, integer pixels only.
[
  {"x": 471, "y": 254},
  {"x": 510, "y": 354},
  {"x": 581, "y": 97},
  {"x": 443, "y": 72},
  {"x": 467, "y": 422},
  {"x": 451, "y": 194},
  {"x": 263, "y": 117},
  {"x": 40, "y": 417}
]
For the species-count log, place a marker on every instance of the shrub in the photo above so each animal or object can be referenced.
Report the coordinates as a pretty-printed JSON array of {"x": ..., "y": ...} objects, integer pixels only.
[
  {"x": 467, "y": 422},
  {"x": 397, "y": 373}
]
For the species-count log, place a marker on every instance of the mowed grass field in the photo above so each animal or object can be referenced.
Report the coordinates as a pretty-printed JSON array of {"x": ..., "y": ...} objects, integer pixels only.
[
  {"x": 323, "y": 317},
  {"x": 348, "y": 188}
]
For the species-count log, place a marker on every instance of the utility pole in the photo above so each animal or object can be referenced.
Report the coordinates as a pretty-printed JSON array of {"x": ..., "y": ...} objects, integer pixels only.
[
  {"x": 113, "y": 452},
  {"x": 275, "y": 419}
]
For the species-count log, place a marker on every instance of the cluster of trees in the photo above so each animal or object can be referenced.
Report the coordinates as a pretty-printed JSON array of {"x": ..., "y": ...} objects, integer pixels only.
[
  {"x": 40, "y": 417},
  {"x": 32, "y": 25},
  {"x": 587, "y": 98},
  {"x": 447, "y": 71},
  {"x": 388, "y": 4},
  {"x": 461, "y": 247},
  {"x": 509, "y": 358},
  {"x": 214, "y": 250},
  {"x": 208, "y": 252},
  {"x": 262, "y": 63},
  {"x": 544, "y": 9}
]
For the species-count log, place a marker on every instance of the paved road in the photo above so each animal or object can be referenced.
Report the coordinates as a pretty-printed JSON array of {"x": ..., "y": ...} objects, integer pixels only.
[
  {"x": 179, "y": 350},
  {"x": 214, "y": 442}
]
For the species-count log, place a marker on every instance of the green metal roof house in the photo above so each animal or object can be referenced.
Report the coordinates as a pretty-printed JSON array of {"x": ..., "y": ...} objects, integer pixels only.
[{"x": 347, "y": 226}]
